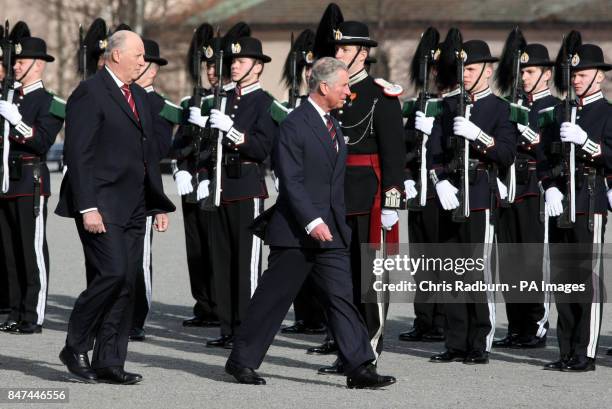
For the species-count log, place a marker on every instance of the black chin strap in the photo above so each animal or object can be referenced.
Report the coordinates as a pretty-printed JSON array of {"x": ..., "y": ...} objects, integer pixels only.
[
  {"x": 348, "y": 67},
  {"x": 27, "y": 71},
  {"x": 536, "y": 84},
  {"x": 478, "y": 79},
  {"x": 143, "y": 72},
  {"x": 247, "y": 73},
  {"x": 590, "y": 85}
]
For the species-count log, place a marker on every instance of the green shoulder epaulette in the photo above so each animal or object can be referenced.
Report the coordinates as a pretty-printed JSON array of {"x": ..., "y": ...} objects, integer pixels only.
[
  {"x": 171, "y": 112},
  {"x": 546, "y": 117},
  {"x": 58, "y": 106},
  {"x": 185, "y": 102},
  {"x": 519, "y": 114},
  {"x": 208, "y": 103},
  {"x": 278, "y": 111},
  {"x": 433, "y": 107}
]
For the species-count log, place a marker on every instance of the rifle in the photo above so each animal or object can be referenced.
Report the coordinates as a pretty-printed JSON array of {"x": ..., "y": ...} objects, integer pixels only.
[
  {"x": 8, "y": 91},
  {"x": 568, "y": 217},
  {"x": 214, "y": 198},
  {"x": 294, "y": 92},
  {"x": 83, "y": 55},
  {"x": 462, "y": 151}
]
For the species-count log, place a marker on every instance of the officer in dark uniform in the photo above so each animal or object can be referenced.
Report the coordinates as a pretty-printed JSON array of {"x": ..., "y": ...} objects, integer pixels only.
[
  {"x": 189, "y": 170},
  {"x": 248, "y": 131},
  {"x": 165, "y": 115},
  {"x": 589, "y": 130},
  {"x": 309, "y": 315},
  {"x": 492, "y": 145},
  {"x": 520, "y": 222},
  {"x": 35, "y": 117},
  {"x": 371, "y": 122}
]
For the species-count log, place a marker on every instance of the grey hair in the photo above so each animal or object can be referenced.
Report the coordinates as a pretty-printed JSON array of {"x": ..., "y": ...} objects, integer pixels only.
[
  {"x": 115, "y": 42},
  {"x": 324, "y": 70}
]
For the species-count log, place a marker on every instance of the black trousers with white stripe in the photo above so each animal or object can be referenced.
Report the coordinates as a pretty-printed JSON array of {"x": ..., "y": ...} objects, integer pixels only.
[
  {"x": 579, "y": 324},
  {"x": 195, "y": 221},
  {"x": 236, "y": 260},
  {"x": 144, "y": 279},
  {"x": 373, "y": 313},
  {"x": 24, "y": 243},
  {"x": 424, "y": 227},
  {"x": 470, "y": 326},
  {"x": 520, "y": 223}
]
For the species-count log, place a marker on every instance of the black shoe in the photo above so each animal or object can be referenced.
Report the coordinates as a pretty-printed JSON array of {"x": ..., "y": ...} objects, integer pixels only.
[
  {"x": 337, "y": 368},
  {"x": 609, "y": 351},
  {"x": 530, "y": 342},
  {"x": 434, "y": 335},
  {"x": 506, "y": 342},
  {"x": 326, "y": 348},
  {"x": 448, "y": 356},
  {"x": 8, "y": 325},
  {"x": 219, "y": 342},
  {"x": 229, "y": 344},
  {"x": 301, "y": 327},
  {"x": 365, "y": 377},
  {"x": 5, "y": 310},
  {"x": 243, "y": 374},
  {"x": 476, "y": 358},
  {"x": 26, "y": 328},
  {"x": 116, "y": 375},
  {"x": 78, "y": 365},
  {"x": 556, "y": 365},
  {"x": 579, "y": 364},
  {"x": 412, "y": 335},
  {"x": 200, "y": 322},
  {"x": 137, "y": 334}
]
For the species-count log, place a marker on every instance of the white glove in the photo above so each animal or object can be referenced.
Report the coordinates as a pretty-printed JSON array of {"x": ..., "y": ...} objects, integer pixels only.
[
  {"x": 554, "y": 205},
  {"x": 183, "y": 182},
  {"x": 503, "y": 190},
  {"x": 202, "y": 192},
  {"x": 573, "y": 133},
  {"x": 423, "y": 123},
  {"x": 464, "y": 127},
  {"x": 196, "y": 118},
  {"x": 447, "y": 194},
  {"x": 10, "y": 112},
  {"x": 410, "y": 189},
  {"x": 388, "y": 218},
  {"x": 610, "y": 197},
  {"x": 220, "y": 121}
]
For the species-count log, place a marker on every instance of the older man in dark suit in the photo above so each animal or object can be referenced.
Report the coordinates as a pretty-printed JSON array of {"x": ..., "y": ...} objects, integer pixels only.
[
  {"x": 113, "y": 182},
  {"x": 307, "y": 234}
]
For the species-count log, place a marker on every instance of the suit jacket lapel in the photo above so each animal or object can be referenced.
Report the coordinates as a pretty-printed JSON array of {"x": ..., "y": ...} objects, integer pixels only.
[
  {"x": 140, "y": 107},
  {"x": 320, "y": 131},
  {"x": 118, "y": 96}
]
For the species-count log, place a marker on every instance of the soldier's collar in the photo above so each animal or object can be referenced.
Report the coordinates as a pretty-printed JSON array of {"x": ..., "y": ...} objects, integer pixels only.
[
  {"x": 230, "y": 86},
  {"x": 150, "y": 88},
  {"x": 360, "y": 76},
  {"x": 539, "y": 95},
  {"x": 248, "y": 89},
  {"x": 480, "y": 95},
  {"x": 590, "y": 98},
  {"x": 452, "y": 93},
  {"x": 32, "y": 87}
]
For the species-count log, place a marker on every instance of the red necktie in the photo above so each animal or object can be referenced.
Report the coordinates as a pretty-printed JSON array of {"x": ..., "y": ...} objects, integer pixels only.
[
  {"x": 130, "y": 100},
  {"x": 332, "y": 131}
]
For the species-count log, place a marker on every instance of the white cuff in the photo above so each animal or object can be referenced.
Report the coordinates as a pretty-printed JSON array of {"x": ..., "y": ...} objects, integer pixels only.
[
  {"x": 592, "y": 148},
  {"x": 531, "y": 136},
  {"x": 235, "y": 136},
  {"x": 485, "y": 139},
  {"x": 91, "y": 209},
  {"x": 313, "y": 224},
  {"x": 24, "y": 130}
]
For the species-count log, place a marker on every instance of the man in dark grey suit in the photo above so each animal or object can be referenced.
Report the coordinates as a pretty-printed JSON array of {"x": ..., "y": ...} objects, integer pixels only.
[
  {"x": 113, "y": 182},
  {"x": 307, "y": 234}
]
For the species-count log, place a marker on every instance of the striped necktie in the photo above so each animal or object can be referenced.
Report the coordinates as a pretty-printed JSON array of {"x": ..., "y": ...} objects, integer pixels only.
[
  {"x": 332, "y": 131},
  {"x": 127, "y": 93}
]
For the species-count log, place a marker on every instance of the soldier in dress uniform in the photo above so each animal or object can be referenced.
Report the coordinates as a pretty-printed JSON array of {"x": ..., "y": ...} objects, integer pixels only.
[
  {"x": 492, "y": 145},
  {"x": 423, "y": 208},
  {"x": 587, "y": 127},
  {"x": 371, "y": 121},
  {"x": 190, "y": 170},
  {"x": 165, "y": 115},
  {"x": 248, "y": 129},
  {"x": 94, "y": 44},
  {"x": 309, "y": 315},
  {"x": 4, "y": 293},
  {"x": 521, "y": 222},
  {"x": 35, "y": 116}
]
